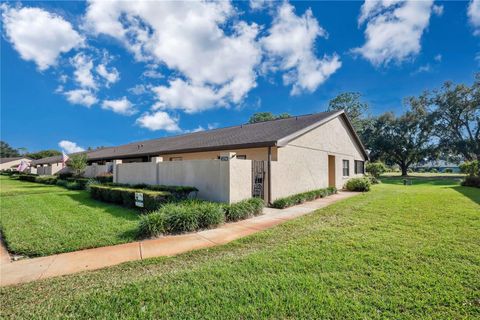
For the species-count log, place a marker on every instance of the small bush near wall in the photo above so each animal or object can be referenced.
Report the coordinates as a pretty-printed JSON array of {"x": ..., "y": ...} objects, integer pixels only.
[
  {"x": 152, "y": 200},
  {"x": 80, "y": 182},
  {"x": 244, "y": 209},
  {"x": 181, "y": 217},
  {"x": 448, "y": 170},
  {"x": 27, "y": 177},
  {"x": 471, "y": 181},
  {"x": 46, "y": 179},
  {"x": 358, "y": 184},
  {"x": 105, "y": 178},
  {"x": 302, "y": 197}
]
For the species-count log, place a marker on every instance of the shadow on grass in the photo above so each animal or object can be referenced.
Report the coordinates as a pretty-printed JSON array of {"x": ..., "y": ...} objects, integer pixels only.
[{"x": 469, "y": 192}]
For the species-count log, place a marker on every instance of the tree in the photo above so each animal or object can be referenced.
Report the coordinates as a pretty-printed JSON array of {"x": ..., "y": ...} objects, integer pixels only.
[
  {"x": 43, "y": 154},
  {"x": 267, "y": 116},
  {"x": 376, "y": 169},
  {"x": 6, "y": 151},
  {"x": 403, "y": 140},
  {"x": 356, "y": 110},
  {"x": 456, "y": 109},
  {"x": 78, "y": 163}
]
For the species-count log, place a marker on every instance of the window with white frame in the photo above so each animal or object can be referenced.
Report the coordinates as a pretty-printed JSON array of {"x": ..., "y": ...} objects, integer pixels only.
[
  {"x": 359, "y": 167},
  {"x": 346, "y": 168}
]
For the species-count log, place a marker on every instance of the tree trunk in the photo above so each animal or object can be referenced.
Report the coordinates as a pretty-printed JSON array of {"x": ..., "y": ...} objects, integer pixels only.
[{"x": 404, "y": 170}]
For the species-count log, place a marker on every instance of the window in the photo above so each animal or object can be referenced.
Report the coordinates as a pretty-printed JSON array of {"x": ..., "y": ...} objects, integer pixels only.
[
  {"x": 346, "y": 168},
  {"x": 242, "y": 157},
  {"x": 359, "y": 167},
  {"x": 175, "y": 158}
]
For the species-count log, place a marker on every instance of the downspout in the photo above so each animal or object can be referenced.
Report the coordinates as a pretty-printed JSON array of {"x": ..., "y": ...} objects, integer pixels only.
[{"x": 269, "y": 169}]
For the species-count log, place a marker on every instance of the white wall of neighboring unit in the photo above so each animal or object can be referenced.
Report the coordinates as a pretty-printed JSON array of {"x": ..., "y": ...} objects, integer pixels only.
[
  {"x": 94, "y": 170},
  {"x": 303, "y": 164}
]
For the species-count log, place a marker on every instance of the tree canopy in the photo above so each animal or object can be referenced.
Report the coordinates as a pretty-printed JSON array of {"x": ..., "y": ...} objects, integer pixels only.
[
  {"x": 356, "y": 110},
  {"x": 43, "y": 154},
  {"x": 6, "y": 151},
  {"x": 267, "y": 116}
]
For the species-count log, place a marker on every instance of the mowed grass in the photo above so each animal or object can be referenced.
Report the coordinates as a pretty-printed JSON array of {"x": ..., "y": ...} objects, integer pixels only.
[
  {"x": 398, "y": 252},
  {"x": 37, "y": 219}
]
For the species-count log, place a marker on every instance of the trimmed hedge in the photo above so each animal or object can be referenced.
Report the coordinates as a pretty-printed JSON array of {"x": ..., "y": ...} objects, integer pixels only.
[
  {"x": 178, "y": 192},
  {"x": 192, "y": 215},
  {"x": 244, "y": 209},
  {"x": 186, "y": 216},
  {"x": 299, "y": 198},
  {"x": 152, "y": 200},
  {"x": 105, "y": 178},
  {"x": 27, "y": 177},
  {"x": 358, "y": 184}
]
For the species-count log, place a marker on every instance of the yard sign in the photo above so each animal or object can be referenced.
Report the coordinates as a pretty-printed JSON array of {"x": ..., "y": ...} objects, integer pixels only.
[{"x": 139, "y": 199}]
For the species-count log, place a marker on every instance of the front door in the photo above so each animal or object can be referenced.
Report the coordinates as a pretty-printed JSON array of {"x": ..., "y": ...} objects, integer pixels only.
[
  {"x": 258, "y": 179},
  {"x": 331, "y": 171}
]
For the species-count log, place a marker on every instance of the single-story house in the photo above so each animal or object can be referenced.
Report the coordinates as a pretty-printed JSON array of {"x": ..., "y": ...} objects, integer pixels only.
[
  {"x": 49, "y": 165},
  {"x": 12, "y": 163},
  {"x": 439, "y": 165},
  {"x": 270, "y": 159}
]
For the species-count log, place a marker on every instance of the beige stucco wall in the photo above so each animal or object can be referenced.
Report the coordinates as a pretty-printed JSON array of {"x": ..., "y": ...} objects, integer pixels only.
[
  {"x": 303, "y": 164},
  {"x": 51, "y": 169},
  {"x": 251, "y": 153},
  {"x": 13, "y": 164},
  {"x": 94, "y": 170},
  {"x": 222, "y": 181}
]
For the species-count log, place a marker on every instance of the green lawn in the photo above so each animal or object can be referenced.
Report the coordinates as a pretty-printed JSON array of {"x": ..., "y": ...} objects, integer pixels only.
[
  {"x": 399, "y": 251},
  {"x": 39, "y": 219}
]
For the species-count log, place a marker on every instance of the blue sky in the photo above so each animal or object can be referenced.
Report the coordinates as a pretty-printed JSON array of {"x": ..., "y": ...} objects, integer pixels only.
[{"x": 77, "y": 75}]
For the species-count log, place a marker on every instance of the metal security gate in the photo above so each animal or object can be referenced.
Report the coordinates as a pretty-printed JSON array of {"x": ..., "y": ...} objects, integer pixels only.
[{"x": 258, "y": 179}]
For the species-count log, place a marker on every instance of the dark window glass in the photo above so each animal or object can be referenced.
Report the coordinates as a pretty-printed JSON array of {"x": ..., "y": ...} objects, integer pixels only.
[
  {"x": 346, "y": 168},
  {"x": 359, "y": 167}
]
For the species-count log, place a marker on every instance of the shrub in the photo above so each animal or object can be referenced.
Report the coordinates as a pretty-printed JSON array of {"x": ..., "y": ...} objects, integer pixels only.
[
  {"x": 61, "y": 183},
  {"x": 28, "y": 177},
  {"x": 358, "y": 184},
  {"x": 471, "y": 168},
  {"x": 65, "y": 175},
  {"x": 152, "y": 225},
  {"x": 81, "y": 182},
  {"x": 104, "y": 178},
  {"x": 186, "y": 216},
  {"x": 373, "y": 180},
  {"x": 433, "y": 170},
  {"x": 46, "y": 179},
  {"x": 376, "y": 169},
  {"x": 471, "y": 181},
  {"x": 73, "y": 185},
  {"x": 244, "y": 209},
  {"x": 302, "y": 197},
  {"x": 448, "y": 170}
]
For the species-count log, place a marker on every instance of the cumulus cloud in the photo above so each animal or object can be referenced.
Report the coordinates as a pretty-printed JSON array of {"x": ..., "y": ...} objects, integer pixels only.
[
  {"x": 81, "y": 96},
  {"x": 393, "y": 29},
  {"x": 70, "y": 147},
  {"x": 186, "y": 37},
  {"x": 121, "y": 106},
  {"x": 474, "y": 15},
  {"x": 437, "y": 10},
  {"x": 158, "y": 120},
  {"x": 38, "y": 35},
  {"x": 291, "y": 43},
  {"x": 83, "y": 71},
  {"x": 111, "y": 76}
]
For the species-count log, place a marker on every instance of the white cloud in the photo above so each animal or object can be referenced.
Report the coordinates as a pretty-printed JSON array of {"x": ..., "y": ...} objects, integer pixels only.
[
  {"x": 438, "y": 58},
  {"x": 158, "y": 120},
  {"x": 83, "y": 71},
  {"x": 81, "y": 96},
  {"x": 121, "y": 106},
  {"x": 38, "y": 35},
  {"x": 138, "y": 89},
  {"x": 110, "y": 76},
  {"x": 393, "y": 29},
  {"x": 423, "y": 69},
  {"x": 290, "y": 43},
  {"x": 182, "y": 95},
  {"x": 437, "y": 10},
  {"x": 187, "y": 38},
  {"x": 70, "y": 147},
  {"x": 474, "y": 15},
  {"x": 261, "y": 4}
]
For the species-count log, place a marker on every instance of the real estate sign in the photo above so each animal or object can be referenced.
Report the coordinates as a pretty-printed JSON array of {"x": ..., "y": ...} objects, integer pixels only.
[{"x": 139, "y": 199}]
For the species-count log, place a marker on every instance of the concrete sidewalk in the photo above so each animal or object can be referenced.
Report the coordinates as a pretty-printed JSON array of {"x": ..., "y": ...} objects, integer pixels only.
[{"x": 67, "y": 263}]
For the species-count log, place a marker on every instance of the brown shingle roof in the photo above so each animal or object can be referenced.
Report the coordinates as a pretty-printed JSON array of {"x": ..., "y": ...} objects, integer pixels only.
[
  {"x": 5, "y": 160},
  {"x": 262, "y": 134},
  {"x": 244, "y": 136}
]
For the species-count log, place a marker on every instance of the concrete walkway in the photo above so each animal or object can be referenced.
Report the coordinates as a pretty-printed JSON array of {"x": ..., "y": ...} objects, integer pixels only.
[{"x": 90, "y": 259}]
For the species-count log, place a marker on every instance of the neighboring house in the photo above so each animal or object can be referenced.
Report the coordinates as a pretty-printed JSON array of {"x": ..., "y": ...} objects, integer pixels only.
[
  {"x": 439, "y": 165},
  {"x": 270, "y": 159},
  {"x": 12, "y": 163},
  {"x": 49, "y": 165}
]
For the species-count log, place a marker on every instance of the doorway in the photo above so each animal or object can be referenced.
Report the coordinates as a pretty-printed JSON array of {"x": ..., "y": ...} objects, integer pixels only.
[{"x": 331, "y": 171}]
